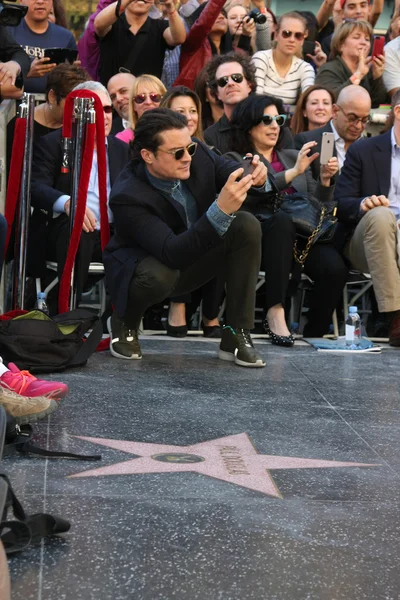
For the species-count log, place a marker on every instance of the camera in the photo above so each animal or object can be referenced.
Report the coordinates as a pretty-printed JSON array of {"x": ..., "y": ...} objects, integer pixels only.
[
  {"x": 258, "y": 16},
  {"x": 11, "y": 15}
]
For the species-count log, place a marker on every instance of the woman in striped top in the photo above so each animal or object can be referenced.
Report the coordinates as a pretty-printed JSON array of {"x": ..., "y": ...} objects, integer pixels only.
[{"x": 279, "y": 72}]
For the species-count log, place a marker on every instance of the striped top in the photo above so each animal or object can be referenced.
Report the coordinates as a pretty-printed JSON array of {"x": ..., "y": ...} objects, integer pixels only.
[{"x": 300, "y": 76}]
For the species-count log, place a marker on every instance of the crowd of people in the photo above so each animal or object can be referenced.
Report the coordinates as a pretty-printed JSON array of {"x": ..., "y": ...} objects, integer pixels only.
[{"x": 213, "y": 111}]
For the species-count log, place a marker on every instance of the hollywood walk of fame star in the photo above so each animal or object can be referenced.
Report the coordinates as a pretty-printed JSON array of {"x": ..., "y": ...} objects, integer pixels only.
[{"x": 232, "y": 458}]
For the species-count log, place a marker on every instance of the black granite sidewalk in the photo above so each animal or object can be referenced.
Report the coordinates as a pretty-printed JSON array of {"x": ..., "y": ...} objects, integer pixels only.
[{"x": 260, "y": 515}]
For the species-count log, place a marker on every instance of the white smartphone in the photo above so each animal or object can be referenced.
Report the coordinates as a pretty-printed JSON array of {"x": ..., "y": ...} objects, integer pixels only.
[{"x": 327, "y": 147}]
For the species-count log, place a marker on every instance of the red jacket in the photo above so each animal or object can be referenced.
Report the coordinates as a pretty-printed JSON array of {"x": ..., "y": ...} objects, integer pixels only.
[{"x": 196, "y": 50}]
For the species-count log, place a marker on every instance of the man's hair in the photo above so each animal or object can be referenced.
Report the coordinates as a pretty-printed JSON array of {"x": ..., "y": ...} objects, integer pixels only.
[
  {"x": 93, "y": 86},
  {"x": 344, "y": 30},
  {"x": 343, "y": 3},
  {"x": 63, "y": 79},
  {"x": 291, "y": 15},
  {"x": 395, "y": 99},
  {"x": 149, "y": 128},
  {"x": 249, "y": 70},
  {"x": 248, "y": 114}
]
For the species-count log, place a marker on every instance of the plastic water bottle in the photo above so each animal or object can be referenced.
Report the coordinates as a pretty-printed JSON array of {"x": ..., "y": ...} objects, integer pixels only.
[
  {"x": 353, "y": 328},
  {"x": 41, "y": 303}
]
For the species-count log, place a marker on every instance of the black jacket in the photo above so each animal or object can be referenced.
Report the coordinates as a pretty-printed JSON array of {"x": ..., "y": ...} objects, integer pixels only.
[
  {"x": 10, "y": 50},
  {"x": 48, "y": 184},
  {"x": 150, "y": 223}
]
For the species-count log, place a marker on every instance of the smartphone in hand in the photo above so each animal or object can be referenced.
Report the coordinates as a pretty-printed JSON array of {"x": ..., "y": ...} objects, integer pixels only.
[
  {"x": 327, "y": 147},
  {"x": 247, "y": 166},
  {"x": 379, "y": 44}
]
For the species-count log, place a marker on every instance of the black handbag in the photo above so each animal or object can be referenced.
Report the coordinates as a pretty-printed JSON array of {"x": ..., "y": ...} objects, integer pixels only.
[
  {"x": 313, "y": 221},
  {"x": 42, "y": 344}
]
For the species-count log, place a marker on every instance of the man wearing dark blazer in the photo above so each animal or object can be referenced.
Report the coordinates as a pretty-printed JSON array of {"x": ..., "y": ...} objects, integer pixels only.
[
  {"x": 368, "y": 197},
  {"x": 176, "y": 227},
  {"x": 349, "y": 120},
  {"x": 50, "y": 197}
]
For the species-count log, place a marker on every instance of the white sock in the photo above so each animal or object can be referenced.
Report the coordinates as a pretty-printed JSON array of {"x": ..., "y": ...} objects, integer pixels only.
[{"x": 3, "y": 368}]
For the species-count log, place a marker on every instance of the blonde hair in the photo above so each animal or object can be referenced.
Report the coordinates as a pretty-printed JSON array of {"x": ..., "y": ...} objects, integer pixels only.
[
  {"x": 342, "y": 33},
  {"x": 152, "y": 82}
]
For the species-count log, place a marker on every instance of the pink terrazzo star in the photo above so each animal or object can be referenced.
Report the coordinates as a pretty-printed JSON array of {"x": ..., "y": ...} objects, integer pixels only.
[{"x": 232, "y": 458}]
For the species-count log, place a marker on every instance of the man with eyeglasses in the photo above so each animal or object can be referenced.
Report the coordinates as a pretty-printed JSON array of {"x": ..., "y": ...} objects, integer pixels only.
[
  {"x": 232, "y": 79},
  {"x": 351, "y": 114},
  {"x": 176, "y": 227},
  {"x": 50, "y": 193},
  {"x": 368, "y": 197}
]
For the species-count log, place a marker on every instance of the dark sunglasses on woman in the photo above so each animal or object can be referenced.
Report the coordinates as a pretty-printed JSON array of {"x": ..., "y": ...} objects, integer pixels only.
[
  {"x": 236, "y": 77},
  {"x": 298, "y": 35},
  {"x": 179, "y": 152},
  {"x": 140, "y": 98},
  {"x": 279, "y": 119}
]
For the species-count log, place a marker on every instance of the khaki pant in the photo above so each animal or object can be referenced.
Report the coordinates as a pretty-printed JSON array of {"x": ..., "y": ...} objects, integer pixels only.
[{"x": 373, "y": 249}]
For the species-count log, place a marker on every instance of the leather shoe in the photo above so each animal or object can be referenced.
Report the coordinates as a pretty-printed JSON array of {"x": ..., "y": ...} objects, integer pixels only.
[{"x": 394, "y": 331}]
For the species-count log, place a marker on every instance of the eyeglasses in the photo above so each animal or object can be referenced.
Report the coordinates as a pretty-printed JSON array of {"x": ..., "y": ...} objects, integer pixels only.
[
  {"x": 297, "y": 34},
  {"x": 269, "y": 119},
  {"x": 108, "y": 109},
  {"x": 353, "y": 119},
  {"x": 178, "y": 154},
  {"x": 236, "y": 77},
  {"x": 140, "y": 98}
]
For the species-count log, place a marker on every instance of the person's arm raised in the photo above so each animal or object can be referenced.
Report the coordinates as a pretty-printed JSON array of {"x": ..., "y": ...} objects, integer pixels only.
[
  {"x": 175, "y": 34},
  {"x": 107, "y": 17}
]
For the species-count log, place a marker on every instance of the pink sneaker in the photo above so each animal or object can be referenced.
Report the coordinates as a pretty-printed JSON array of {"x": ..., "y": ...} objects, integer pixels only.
[{"x": 25, "y": 384}]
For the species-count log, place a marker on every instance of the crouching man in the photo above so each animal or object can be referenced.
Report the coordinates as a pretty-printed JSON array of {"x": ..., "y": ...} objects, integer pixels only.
[{"x": 176, "y": 227}]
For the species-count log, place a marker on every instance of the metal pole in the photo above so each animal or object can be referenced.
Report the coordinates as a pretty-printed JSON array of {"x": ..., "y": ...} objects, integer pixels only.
[{"x": 27, "y": 109}]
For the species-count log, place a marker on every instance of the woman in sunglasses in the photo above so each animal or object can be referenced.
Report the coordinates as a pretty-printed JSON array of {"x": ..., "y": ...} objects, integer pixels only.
[
  {"x": 351, "y": 44},
  {"x": 257, "y": 123},
  {"x": 279, "y": 71},
  {"x": 146, "y": 94}
]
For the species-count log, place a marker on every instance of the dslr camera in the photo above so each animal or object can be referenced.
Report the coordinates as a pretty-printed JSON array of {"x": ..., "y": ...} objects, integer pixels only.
[
  {"x": 11, "y": 15},
  {"x": 258, "y": 16}
]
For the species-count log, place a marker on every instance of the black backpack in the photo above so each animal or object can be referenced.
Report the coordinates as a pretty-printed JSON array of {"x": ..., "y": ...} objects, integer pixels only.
[{"x": 41, "y": 344}]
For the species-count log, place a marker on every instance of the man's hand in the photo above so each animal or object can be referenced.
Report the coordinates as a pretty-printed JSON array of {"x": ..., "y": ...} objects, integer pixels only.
[
  {"x": 234, "y": 192},
  {"x": 372, "y": 202},
  {"x": 89, "y": 222},
  {"x": 328, "y": 171},
  {"x": 41, "y": 66},
  {"x": 9, "y": 71}
]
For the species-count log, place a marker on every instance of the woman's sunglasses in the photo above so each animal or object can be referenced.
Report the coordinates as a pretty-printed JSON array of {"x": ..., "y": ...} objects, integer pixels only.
[
  {"x": 140, "y": 98},
  {"x": 298, "y": 35},
  {"x": 180, "y": 152},
  {"x": 236, "y": 77},
  {"x": 269, "y": 119}
]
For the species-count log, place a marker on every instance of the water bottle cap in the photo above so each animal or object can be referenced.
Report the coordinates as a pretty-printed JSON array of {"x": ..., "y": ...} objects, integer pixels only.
[
  {"x": 41, "y": 295},
  {"x": 352, "y": 309}
]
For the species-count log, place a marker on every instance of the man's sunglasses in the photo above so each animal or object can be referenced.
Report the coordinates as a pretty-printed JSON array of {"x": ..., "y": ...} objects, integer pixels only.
[
  {"x": 298, "y": 35},
  {"x": 108, "y": 109},
  {"x": 140, "y": 98},
  {"x": 179, "y": 153},
  {"x": 236, "y": 77},
  {"x": 269, "y": 119}
]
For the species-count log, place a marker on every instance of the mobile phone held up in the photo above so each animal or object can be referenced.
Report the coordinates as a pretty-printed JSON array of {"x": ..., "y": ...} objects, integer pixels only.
[
  {"x": 247, "y": 166},
  {"x": 379, "y": 44},
  {"x": 308, "y": 48},
  {"x": 327, "y": 147}
]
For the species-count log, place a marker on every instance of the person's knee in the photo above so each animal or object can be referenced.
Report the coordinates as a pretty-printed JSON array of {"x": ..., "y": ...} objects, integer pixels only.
[
  {"x": 380, "y": 220},
  {"x": 248, "y": 224},
  {"x": 160, "y": 280}
]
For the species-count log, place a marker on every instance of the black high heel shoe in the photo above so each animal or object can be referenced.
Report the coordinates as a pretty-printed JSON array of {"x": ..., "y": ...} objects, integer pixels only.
[
  {"x": 279, "y": 340},
  {"x": 179, "y": 331}
]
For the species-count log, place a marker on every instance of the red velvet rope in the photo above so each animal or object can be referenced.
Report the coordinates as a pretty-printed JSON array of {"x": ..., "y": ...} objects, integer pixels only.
[
  {"x": 93, "y": 130},
  {"x": 14, "y": 178}
]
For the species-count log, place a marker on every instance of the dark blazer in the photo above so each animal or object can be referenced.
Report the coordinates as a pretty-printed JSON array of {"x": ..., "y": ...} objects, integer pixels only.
[
  {"x": 366, "y": 171},
  {"x": 314, "y": 136},
  {"x": 48, "y": 184},
  {"x": 304, "y": 183},
  {"x": 147, "y": 222}
]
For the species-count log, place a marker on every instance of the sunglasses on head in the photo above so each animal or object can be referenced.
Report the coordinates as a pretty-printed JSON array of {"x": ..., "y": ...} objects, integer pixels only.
[
  {"x": 298, "y": 35},
  {"x": 108, "y": 109},
  {"x": 154, "y": 97},
  {"x": 236, "y": 77},
  {"x": 179, "y": 153},
  {"x": 269, "y": 119}
]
